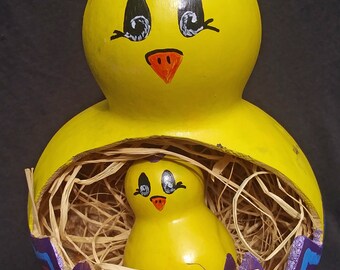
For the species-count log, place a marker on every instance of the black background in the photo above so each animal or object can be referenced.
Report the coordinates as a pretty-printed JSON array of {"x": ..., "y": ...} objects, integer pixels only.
[{"x": 44, "y": 81}]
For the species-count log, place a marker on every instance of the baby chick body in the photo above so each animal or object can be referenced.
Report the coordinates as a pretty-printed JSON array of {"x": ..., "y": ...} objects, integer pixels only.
[{"x": 173, "y": 229}]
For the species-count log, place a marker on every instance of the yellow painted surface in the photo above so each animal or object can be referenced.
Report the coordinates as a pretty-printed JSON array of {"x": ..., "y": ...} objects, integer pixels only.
[{"x": 202, "y": 102}]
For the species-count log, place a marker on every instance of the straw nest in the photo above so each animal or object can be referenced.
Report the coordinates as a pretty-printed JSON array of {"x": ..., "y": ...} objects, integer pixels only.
[{"x": 85, "y": 212}]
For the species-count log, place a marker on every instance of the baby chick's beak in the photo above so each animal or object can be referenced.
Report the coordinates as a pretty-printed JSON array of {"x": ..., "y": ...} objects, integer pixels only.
[
  {"x": 158, "y": 202},
  {"x": 165, "y": 62}
]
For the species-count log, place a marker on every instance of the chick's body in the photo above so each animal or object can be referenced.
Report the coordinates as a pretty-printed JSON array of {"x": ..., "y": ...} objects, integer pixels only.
[{"x": 182, "y": 233}]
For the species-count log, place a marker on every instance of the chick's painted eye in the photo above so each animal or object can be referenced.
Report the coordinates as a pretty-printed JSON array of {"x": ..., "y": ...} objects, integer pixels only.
[
  {"x": 137, "y": 21},
  {"x": 144, "y": 187},
  {"x": 169, "y": 184},
  {"x": 191, "y": 18}
]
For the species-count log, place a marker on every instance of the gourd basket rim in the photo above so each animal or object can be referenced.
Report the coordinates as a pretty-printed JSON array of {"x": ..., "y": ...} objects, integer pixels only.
[{"x": 78, "y": 197}]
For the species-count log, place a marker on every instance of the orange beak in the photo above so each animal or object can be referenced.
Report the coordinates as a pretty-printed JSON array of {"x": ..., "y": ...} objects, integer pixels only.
[
  {"x": 158, "y": 202},
  {"x": 165, "y": 62}
]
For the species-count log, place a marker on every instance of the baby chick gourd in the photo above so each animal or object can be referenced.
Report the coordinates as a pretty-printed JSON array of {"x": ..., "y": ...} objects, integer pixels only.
[{"x": 173, "y": 228}]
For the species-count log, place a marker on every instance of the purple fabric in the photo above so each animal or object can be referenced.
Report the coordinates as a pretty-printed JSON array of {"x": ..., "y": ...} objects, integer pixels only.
[
  {"x": 46, "y": 254},
  {"x": 82, "y": 266},
  {"x": 155, "y": 158},
  {"x": 317, "y": 234},
  {"x": 250, "y": 262},
  {"x": 304, "y": 255},
  {"x": 230, "y": 263}
]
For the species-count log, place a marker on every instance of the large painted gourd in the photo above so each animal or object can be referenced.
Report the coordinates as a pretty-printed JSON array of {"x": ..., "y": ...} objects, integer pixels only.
[{"x": 177, "y": 68}]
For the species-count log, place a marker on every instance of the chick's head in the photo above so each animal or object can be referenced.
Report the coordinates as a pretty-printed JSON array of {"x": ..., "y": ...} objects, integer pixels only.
[
  {"x": 173, "y": 58},
  {"x": 163, "y": 189}
]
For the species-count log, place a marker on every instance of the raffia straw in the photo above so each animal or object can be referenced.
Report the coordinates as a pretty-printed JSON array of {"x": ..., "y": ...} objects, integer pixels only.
[
  {"x": 106, "y": 266},
  {"x": 70, "y": 181},
  {"x": 30, "y": 184},
  {"x": 289, "y": 237},
  {"x": 235, "y": 216},
  {"x": 297, "y": 201},
  {"x": 89, "y": 218}
]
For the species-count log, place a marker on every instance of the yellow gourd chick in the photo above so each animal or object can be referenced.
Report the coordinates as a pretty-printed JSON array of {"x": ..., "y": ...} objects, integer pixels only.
[
  {"x": 175, "y": 69},
  {"x": 173, "y": 228}
]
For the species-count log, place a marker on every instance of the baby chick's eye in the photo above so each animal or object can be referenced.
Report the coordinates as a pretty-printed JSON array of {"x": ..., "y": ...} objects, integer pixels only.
[
  {"x": 191, "y": 18},
  {"x": 169, "y": 184},
  {"x": 144, "y": 186},
  {"x": 137, "y": 21}
]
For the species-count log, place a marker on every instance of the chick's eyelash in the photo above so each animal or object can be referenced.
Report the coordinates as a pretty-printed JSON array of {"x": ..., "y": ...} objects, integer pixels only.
[{"x": 209, "y": 27}]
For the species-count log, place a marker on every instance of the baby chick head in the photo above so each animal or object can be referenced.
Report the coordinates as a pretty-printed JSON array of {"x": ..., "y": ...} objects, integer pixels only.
[
  {"x": 163, "y": 189},
  {"x": 152, "y": 56}
]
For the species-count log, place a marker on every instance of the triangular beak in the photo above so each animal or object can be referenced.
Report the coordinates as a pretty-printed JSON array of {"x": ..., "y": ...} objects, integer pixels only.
[
  {"x": 158, "y": 201},
  {"x": 165, "y": 62}
]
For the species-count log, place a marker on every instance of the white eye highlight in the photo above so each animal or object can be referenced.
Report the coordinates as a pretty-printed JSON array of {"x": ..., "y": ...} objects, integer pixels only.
[
  {"x": 168, "y": 182},
  {"x": 144, "y": 190},
  {"x": 188, "y": 24},
  {"x": 140, "y": 29},
  {"x": 144, "y": 187}
]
